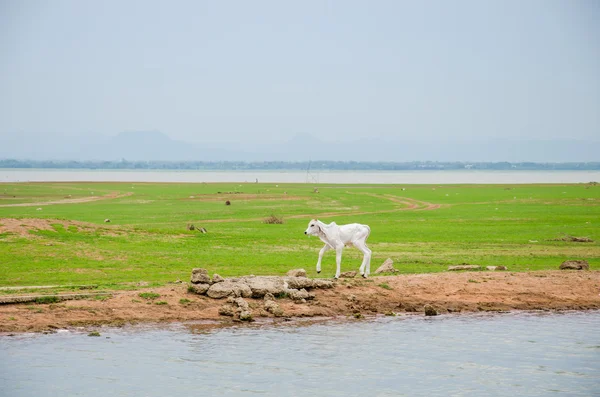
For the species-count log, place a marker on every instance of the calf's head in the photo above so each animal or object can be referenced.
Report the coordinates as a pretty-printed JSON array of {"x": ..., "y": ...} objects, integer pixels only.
[{"x": 313, "y": 228}]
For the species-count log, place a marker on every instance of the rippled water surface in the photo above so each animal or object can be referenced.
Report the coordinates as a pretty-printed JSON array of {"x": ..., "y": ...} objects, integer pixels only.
[{"x": 470, "y": 355}]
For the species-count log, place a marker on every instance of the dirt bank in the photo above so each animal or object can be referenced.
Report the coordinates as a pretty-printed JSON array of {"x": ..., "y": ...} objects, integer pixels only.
[{"x": 446, "y": 292}]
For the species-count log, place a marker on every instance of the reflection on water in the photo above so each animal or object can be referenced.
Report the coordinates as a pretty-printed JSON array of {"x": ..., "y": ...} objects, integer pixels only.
[
  {"x": 350, "y": 177},
  {"x": 470, "y": 355}
]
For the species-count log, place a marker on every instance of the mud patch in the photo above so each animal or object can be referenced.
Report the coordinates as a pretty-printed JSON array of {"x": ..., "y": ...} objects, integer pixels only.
[{"x": 23, "y": 227}]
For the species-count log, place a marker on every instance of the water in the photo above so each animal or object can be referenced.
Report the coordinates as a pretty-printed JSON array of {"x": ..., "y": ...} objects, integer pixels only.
[
  {"x": 461, "y": 355},
  {"x": 381, "y": 177}
]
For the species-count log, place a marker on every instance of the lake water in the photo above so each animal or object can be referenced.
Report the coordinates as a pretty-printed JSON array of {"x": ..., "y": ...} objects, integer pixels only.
[
  {"x": 382, "y": 177},
  {"x": 517, "y": 354}
]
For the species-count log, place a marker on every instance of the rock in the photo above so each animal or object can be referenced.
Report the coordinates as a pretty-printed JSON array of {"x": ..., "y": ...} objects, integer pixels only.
[
  {"x": 464, "y": 267},
  {"x": 200, "y": 289},
  {"x": 241, "y": 303},
  {"x": 260, "y": 286},
  {"x": 243, "y": 309},
  {"x": 430, "y": 310},
  {"x": 254, "y": 286},
  {"x": 227, "y": 310},
  {"x": 237, "y": 307},
  {"x": 273, "y": 308},
  {"x": 299, "y": 282},
  {"x": 229, "y": 288},
  {"x": 217, "y": 279},
  {"x": 320, "y": 283},
  {"x": 200, "y": 276},
  {"x": 301, "y": 294},
  {"x": 496, "y": 268},
  {"x": 106, "y": 220},
  {"x": 351, "y": 274},
  {"x": 297, "y": 273},
  {"x": 387, "y": 267},
  {"x": 246, "y": 315},
  {"x": 575, "y": 265},
  {"x": 269, "y": 297}
]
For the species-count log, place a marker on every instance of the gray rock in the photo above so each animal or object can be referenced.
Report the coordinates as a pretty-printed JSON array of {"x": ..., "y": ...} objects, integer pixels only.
[
  {"x": 297, "y": 295},
  {"x": 227, "y": 310},
  {"x": 386, "y": 267},
  {"x": 243, "y": 309},
  {"x": 200, "y": 289},
  {"x": 308, "y": 283},
  {"x": 242, "y": 304},
  {"x": 300, "y": 282},
  {"x": 351, "y": 274},
  {"x": 246, "y": 315},
  {"x": 200, "y": 276},
  {"x": 260, "y": 286},
  {"x": 273, "y": 308},
  {"x": 229, "y": 288},
  {"x": 320, "y": 283},
  {"x": 430, "y": 310},
  {"x": 464, "y": 267},
  {"x": 217, "y": 279},
  {"x": 297, "y": 273},
  {"x": 575, "y": 265},
  {"x": 269, "y": 297}
]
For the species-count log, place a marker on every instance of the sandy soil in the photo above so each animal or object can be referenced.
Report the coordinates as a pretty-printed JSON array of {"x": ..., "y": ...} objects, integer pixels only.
[{"x": 446, "y": 292}]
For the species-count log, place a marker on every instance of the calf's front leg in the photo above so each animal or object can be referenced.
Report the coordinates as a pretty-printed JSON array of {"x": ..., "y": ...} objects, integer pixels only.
[{"x": 323, "y": 250}]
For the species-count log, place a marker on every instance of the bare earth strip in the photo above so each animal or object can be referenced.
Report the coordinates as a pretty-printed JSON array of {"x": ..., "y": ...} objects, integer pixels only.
[
  {"x": 112, "y": 195},
  {"x": 23, "y": 226},
  {"x": 402, "y": 295}
]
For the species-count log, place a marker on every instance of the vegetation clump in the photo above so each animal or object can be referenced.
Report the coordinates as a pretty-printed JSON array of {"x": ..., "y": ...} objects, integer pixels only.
[
  {"x": 149, "y": 295},
  {"x": 273, "y": 220},
  {"x": 46, "y": 299}
]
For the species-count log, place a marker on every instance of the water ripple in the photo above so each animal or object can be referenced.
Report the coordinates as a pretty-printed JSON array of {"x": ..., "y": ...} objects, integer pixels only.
[{"x": 525, "y": 354}]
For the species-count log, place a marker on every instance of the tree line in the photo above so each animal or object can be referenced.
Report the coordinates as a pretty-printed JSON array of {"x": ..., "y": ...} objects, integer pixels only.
[{"x": 293, "y": 166}]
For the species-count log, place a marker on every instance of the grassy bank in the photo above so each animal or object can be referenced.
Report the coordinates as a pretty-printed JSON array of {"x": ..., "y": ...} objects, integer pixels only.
[{"x": 423, "y": 228}]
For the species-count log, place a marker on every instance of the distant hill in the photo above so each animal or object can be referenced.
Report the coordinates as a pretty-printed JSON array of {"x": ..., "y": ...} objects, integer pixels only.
[{"x": 157, "y": 146}]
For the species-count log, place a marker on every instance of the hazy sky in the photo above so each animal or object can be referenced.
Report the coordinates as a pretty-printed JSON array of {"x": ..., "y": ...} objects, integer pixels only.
[{"x": 232, "y": 70}]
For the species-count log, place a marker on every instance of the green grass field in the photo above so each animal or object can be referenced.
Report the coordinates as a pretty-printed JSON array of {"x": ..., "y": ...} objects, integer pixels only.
[{"x": 422, "y": 228}]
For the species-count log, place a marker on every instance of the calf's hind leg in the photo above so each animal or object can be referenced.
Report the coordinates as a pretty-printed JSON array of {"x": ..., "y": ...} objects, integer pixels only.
[{"x": 365, "y": 266}]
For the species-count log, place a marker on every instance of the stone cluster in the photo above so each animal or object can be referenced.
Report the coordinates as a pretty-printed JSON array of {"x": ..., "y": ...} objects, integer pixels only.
[{"x": 295, "y": 286}]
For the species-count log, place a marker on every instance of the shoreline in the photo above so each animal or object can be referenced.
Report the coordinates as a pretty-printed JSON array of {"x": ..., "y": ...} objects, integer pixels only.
[{"x": 446, "y": 293}]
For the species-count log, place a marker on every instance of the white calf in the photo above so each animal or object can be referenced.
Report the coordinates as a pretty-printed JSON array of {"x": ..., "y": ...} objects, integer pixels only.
[{"x": 336, "y": 237}]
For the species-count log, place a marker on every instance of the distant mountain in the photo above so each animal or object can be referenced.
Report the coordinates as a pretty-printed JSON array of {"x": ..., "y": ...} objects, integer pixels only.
[
  {"x": 154, "y": 145},
  {"x": 140, "y": 145}
]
